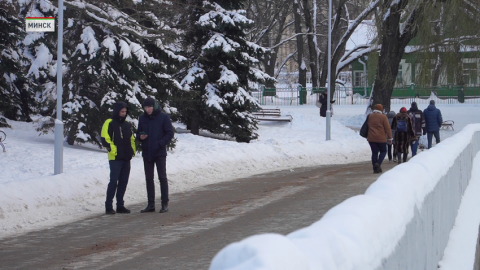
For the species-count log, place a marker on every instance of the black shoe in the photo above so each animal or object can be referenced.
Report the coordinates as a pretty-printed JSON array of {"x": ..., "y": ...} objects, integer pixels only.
[
  {"x": 379, "y": 168},
  {"x": 123, "y": 210},
  {"x": 110, "y": 212},
  {"x": 164, "y": 208},
  {"x": 149, "y": 208},
  {"x": 375, "y": 168}
]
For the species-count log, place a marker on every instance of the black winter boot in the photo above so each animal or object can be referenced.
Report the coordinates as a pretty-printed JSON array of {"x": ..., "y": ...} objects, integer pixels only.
[
  {"x": 123, "y": 210},
  {"x": 379, "y": 168},
  {"x": 149, "y": 208},
  {"x": 164, "y": 208},
  {"x": 109, "y": 211}
]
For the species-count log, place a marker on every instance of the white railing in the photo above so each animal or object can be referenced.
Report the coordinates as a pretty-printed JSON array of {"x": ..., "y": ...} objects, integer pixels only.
[{"x": 401, "y": 222}]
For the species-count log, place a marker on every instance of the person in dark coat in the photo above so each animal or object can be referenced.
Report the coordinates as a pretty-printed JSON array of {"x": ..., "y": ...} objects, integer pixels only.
[
  {"x": 418, "y": 122},
  {"x": 433, "y": 122},
  {"x": 155, "y": 131},
  {"x": 117, "y": 138},
  {"x": 323, "y": 102},
  {"x": 390, "y": 116},
  {"x": 402, "y": 124}
]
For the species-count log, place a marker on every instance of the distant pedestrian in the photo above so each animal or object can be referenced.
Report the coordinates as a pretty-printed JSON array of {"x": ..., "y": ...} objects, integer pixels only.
[
  {"x": 117, "y": 138},
  {"x": 433, "y": 122},
  {"x": 418, "y": 122},
  {"x": 390, "y": 116},
  {"x": 323, "y": 101},
  {"x": 379, "y": 133},
  {"x": 403, "y": 134},
  {"x": 155, "y": 131}
]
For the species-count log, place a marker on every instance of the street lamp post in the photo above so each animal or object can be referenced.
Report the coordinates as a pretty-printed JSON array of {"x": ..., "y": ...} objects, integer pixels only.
[
  {"x": 329, "y": 113},
  {"x": 58, "y": 151}
]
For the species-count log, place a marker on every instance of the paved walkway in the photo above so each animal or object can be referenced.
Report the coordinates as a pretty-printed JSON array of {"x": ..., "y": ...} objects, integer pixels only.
[{"x": 199, "y": 224}]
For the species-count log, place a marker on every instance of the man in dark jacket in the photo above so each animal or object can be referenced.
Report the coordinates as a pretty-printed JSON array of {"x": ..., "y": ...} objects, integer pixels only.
[
  {"x": 117, "y": 137},
  {"x": 155, "y": 131},
  {"x": 418, "y": 122},
  {"x": 433, "y": 122}
]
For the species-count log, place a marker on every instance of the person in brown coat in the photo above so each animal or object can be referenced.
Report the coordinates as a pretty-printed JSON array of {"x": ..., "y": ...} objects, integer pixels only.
[
  {"x": 379, "y": 133},
  {"x": 404, "y": 134}
]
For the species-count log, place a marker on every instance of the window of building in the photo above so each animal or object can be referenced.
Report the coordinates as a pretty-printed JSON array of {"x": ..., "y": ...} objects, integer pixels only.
[
  {"x": 359, "y": 79},
  {"x": 399, "y": 81},
  {"x": 470, "y": 73}
]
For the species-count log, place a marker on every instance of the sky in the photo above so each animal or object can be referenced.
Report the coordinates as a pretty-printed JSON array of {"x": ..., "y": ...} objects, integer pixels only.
[{"x": 32, "y": 198}]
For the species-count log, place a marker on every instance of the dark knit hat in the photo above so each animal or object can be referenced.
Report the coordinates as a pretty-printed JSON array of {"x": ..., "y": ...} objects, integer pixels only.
[
  {"x": 149, "y": 102},
  {"x": 379, "y": 107}
]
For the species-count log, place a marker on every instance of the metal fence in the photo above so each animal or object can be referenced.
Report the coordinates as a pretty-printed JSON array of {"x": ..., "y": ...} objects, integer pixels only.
[{"x": 356, "y": 95}]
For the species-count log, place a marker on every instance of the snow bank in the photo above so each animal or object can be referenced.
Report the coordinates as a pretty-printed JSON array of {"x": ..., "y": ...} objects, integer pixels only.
[{"x": 401, "y": 222}]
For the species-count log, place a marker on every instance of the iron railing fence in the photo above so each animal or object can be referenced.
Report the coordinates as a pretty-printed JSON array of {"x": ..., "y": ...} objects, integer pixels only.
[{"x": 356, "y": 95}]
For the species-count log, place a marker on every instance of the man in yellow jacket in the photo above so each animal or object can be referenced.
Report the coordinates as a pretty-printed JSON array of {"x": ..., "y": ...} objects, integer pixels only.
[{"x": 117, "y": 137}]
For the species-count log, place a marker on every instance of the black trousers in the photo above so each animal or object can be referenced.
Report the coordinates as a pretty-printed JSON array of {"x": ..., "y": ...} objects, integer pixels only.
[
  {"x": 376, "y": 149},
  {"x": 119, "y": 173},
  {"x": 149, "y": 166},
  {"x": 389, "y": 151}
]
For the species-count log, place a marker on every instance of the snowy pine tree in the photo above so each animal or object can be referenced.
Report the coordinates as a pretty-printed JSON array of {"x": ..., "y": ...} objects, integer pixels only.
[
  {"x": 16, "y": 99},
  {"x": 110, "y": 57},
  {"x": 40, "y": 49},
  {"x": 221, "y": 71}
]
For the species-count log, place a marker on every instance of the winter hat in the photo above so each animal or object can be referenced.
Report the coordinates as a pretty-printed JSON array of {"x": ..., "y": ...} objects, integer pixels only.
[
  {"x": 379, "y": 107},
  {"x": 432, "y": 102},
  {"x": 149, "y": 102},
  {"x": 403, "y": 110},
  {"x": 414, "y": 107}
]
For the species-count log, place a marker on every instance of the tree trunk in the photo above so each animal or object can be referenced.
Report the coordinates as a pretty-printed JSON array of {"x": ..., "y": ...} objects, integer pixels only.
[
  {"x": 302, "y": 70},
  {"x": 269, "y": 60},
  {"x": 195, "y": 124},
  {"x": 336, "y": 54},
  {"x": 311, "y": 44},
  {"x": 71, "y": 136},
  {"x": 393, "y": 48}
]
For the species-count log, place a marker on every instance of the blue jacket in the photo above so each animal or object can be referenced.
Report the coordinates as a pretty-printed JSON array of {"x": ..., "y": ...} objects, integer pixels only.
[
  {"x": 160, "y": 132},
  {"x": 433, "y": 118}
]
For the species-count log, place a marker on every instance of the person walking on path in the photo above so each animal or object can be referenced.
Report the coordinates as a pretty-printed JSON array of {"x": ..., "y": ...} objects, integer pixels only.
[
  {"x": 390, "y": 116},
  {"x": 433, "y": 122},
  {"x": 323, "y": 102},
  {"x": 379, "y": 133},
  {"x": 117, "y": 138},
  {"x": 418, "y": 123},
  {"x": 155, "y": 131},
  {"x": 403, "y": 134}
]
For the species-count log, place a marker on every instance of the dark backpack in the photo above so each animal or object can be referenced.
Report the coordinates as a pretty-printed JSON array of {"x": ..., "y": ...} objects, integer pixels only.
[{"x": 401, "y": 126}]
